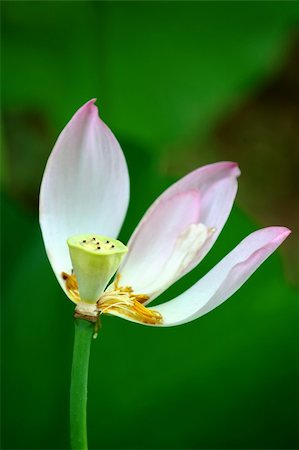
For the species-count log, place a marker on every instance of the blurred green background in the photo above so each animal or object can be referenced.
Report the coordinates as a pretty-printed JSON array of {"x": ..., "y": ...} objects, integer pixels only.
[{"x": 181, "y": 84}]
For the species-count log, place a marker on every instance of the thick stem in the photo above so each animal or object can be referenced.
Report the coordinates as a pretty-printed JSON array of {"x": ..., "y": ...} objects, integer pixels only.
[{"x": 83, "y": 336}]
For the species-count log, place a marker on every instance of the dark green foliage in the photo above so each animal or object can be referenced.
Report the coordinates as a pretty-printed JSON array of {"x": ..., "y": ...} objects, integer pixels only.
[{"x": 163, "y": 73}]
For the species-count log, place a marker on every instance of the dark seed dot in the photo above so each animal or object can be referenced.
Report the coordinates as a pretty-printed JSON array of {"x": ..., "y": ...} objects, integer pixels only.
[
  {"x": 93, "y": 239},
  {"x": 107, "y": 242},
  {"x": 99, "y": 248},
  {"x": 112, "y": 246},
  {"x": 98, "y": 243},
  {"x": 84, "y": 241}
]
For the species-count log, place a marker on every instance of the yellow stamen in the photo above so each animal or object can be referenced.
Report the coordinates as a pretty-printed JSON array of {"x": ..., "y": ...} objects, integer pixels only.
[
  {"x": 71, "y": 284},
  {"x": 120, "y": 299}
]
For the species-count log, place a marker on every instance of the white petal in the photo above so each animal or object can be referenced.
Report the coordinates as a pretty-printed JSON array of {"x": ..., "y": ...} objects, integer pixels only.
[
  {"x": 187, "y": 245},
  {"x": 147, "y": 261},
  {"x": 203, "y": 198},
  {"x": 85, "y": 187},
  {"x": 224, "y": 279}
]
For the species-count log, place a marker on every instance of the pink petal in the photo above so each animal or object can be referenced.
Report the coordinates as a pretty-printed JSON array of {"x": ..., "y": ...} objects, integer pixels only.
[
  {"x": 146, "y": 259},
  {"x": 85, "y": 187},
  {"x": 225, "y": 278},
  {"x": 151, "y": 245}
]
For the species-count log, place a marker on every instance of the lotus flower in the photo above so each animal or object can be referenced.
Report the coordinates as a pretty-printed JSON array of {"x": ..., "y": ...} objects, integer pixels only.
[{"x": 83, "y": 202}]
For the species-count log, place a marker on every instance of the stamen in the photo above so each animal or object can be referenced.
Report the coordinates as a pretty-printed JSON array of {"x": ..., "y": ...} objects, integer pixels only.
[
  {"x": 71, "y": 286},
  {"x": 124, "y": 301}
]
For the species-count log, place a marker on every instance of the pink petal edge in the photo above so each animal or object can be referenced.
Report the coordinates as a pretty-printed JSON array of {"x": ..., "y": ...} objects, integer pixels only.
[
  {"x": 217, "y": 186},
  {"x": 78, "y": 191},
  {"x": 225, "y": 278}
]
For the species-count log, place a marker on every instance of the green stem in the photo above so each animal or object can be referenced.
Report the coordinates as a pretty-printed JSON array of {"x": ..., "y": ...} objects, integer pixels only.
[{"x": 83, "y": 336}]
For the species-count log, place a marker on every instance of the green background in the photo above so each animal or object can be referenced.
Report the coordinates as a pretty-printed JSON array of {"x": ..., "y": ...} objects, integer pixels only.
[{"x": 181, "y": 84}]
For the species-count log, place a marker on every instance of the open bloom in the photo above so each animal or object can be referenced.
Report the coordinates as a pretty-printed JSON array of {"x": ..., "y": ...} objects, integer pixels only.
[{"x": 83, "y": 201}]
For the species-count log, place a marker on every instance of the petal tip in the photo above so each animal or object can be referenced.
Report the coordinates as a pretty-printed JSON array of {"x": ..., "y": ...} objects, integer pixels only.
[
  {"x": 226, "y": 168},
  {"x": 234, "y": 167},
  {"x": 91, "y": 101},
  {"x": 282, "y": 232},
  {"x": 277, "y": 234},
  {"x": 88, "y": 113},
  {"x": 89, "y": 106}
]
